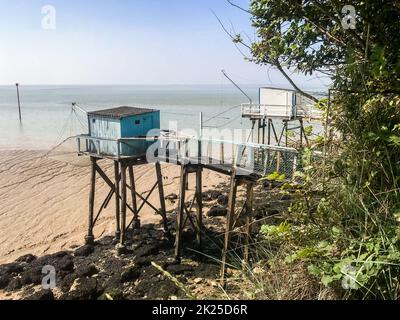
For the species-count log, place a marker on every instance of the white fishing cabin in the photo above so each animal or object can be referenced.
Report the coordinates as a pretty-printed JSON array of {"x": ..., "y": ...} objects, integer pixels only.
[{"x": 281, "y": 103}]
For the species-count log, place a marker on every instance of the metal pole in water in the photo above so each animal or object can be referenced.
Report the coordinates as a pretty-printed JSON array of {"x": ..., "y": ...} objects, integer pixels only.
[
  {"x": 201, "y": 124},
  {"x": 19, "y": 103}
]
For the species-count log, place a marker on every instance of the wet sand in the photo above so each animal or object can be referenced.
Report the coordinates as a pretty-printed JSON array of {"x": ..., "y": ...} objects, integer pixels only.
[{"x": 44, "y": 201}]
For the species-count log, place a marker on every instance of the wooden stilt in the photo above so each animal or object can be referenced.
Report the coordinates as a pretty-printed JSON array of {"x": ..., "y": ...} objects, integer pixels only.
[
  {"x": 263, "y": 132},
  {"x": 269, "y": 132},
  {"x": 123, "y": 204},
  {"x": 136, "y": 221},
  {"x": 249, "y": 215},
  {"x": 89, "y": 239},
  {"x": 117, "y": 202},
  {"x": 162, "y": 196},
  {"x": 301, "y": 133},
  {"x": 286, "y": 133},
  {"x": 222, "y": 151},
  {"x": 199, "y": 201},
  {"x": 229, "y": 223},
  {"x": 181, "y": 212}
]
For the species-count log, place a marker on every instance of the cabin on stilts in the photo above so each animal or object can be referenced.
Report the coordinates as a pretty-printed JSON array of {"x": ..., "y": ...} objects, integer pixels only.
[
  {"x": 288, "y": 106},
  {"x": 121, "y": 135},
  {"x": 125, "y": 135}
]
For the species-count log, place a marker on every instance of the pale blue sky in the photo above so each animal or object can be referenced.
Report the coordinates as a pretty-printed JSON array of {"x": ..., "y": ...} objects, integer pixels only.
[{"x": 126, "y": 42}]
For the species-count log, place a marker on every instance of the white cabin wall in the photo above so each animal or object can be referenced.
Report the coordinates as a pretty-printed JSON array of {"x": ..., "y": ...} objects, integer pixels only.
[{"x": 279, "y": 102}]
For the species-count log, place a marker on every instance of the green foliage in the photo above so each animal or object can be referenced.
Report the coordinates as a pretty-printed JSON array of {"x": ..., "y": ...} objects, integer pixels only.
[
  {"x": 278, "y": 232},
  {"x": 275, "y": 176},
  {"x": 345, "y": 222}
]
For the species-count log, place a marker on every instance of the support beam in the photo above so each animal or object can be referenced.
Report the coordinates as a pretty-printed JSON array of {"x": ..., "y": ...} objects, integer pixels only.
[
  {"x": 89, "y": 239},
  {"x": 249, "y": 215},
  {"x": 181, "y": 211},
  {"x": 136, "y": 221},
  {"x": 123, "y": 204},
  {"x": 162, "y": 196},
  {"x": 229, "y": 222},
  {"x": 199, "y": 201},
  {"x": 263, "y": 132},
  {"x": 117, "y": 202}
]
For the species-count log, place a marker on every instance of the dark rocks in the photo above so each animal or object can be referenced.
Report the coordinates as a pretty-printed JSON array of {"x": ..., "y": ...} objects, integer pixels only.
[
  {"x": 214, "y": 194},
  {"x": 65, "y": 264},
  {"x": 7, "y": 274},
  {"x": 163, "y": 289},
  {"x": 66, "y": 282},
  {"x": 4, "y": 280},
  {"x": 95, "y": 272},
  {"x": 84, "y": 251},
  {"x": 43, "y": 295},
  {"x": 121, "y": 249},
  {"x": 61, "y": 261},
  {"x": 112, "y": 282},
  {"x": 143, "y": 261},
  {"x": 86, "y": 270},
  {"x": 206, "y": 196},
  {"x": 84, "y": 289},
  {"x": 11, "y": 268},
  {"x": 26, "y": 258},
  {"x": 222, "y": 200},
  {"x": 14, "y": 284},
  {"x": 179, "y": 268},
  {"x": 146, "y": 250},
  {"x": 217, "y": 211},
  {"x": 130, "y": 274},
  {"x": 32, "y": 276}
]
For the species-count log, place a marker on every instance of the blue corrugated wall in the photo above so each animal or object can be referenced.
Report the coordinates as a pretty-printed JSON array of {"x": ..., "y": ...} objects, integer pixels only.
[{"x": 134, "y": 126}]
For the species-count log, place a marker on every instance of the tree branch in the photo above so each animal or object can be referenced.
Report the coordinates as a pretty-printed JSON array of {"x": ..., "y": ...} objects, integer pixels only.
[
  {"x": 277, "y": 64},
  {"x": 237, "y": 6}
]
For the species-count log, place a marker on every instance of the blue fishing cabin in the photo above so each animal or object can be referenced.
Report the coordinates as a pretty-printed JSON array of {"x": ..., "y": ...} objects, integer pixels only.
[{"x": 114, "y": 130}]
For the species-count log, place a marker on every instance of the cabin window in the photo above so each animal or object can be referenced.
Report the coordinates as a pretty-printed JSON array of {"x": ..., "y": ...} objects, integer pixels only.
[{"x": 137, "y": 122}]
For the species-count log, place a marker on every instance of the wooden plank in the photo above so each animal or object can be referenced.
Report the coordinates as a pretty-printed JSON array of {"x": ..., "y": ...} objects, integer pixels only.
[
  {"x": 162, "y": 196},
  {"x": 181, "y": 211},
  {"x": 199, "y": 202},
  {"x": 229, "y": 223},
  {"x": 117, "y": 198},
  {"x": 107, "y": 179},
  {"x": 123, "y": 203},
  {"x": 103, "y": 206},
  {"x": 145, "y": 200},
  {"x": 249, "y": 214},
  {"x": 133, "y": 197},
  {"x": 90, "y": 238}
]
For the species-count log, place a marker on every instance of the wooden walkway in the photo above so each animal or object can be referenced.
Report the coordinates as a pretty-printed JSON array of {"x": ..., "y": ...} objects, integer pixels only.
[{"x": 244, "y": 163}]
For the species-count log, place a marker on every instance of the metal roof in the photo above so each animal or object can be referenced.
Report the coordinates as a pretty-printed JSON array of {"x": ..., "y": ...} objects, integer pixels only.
[{"x": 120, "y": 112}]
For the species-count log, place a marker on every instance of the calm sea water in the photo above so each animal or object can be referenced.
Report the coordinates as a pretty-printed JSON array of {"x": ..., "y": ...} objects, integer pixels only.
[{"x": 47, "y": 116}]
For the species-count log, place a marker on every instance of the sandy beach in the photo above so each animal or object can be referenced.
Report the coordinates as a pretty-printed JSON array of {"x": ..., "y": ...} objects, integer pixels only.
[{"x": 44, "y": 202}]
